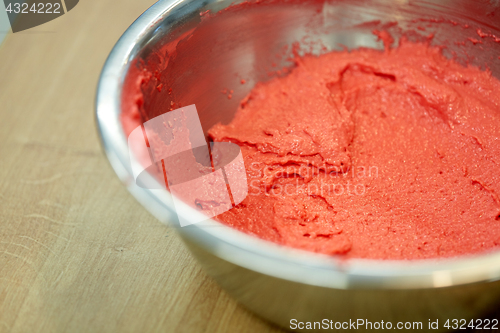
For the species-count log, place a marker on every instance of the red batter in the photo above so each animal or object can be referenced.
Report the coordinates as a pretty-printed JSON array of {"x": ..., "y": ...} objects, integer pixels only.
[{"x": 370, "y": 154}]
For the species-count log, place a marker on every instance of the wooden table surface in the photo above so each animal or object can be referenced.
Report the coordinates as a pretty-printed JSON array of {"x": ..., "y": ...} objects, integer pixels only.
[{"x": 77, "y": 252}]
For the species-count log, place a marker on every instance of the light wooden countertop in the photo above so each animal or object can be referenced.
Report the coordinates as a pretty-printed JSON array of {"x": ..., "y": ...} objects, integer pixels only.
[{"x": 77, "y": 252}]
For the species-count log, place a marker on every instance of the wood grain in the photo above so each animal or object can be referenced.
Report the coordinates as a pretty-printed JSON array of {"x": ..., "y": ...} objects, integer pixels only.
[{"x": 77, "y": 252}]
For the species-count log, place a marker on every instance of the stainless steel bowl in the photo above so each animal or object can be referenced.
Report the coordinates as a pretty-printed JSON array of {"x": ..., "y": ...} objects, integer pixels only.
[{"x": 210, "y": 53}]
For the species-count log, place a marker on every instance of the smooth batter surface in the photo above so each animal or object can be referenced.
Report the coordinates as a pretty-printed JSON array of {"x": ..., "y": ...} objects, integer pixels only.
[{"x": 370, "y": 154}]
